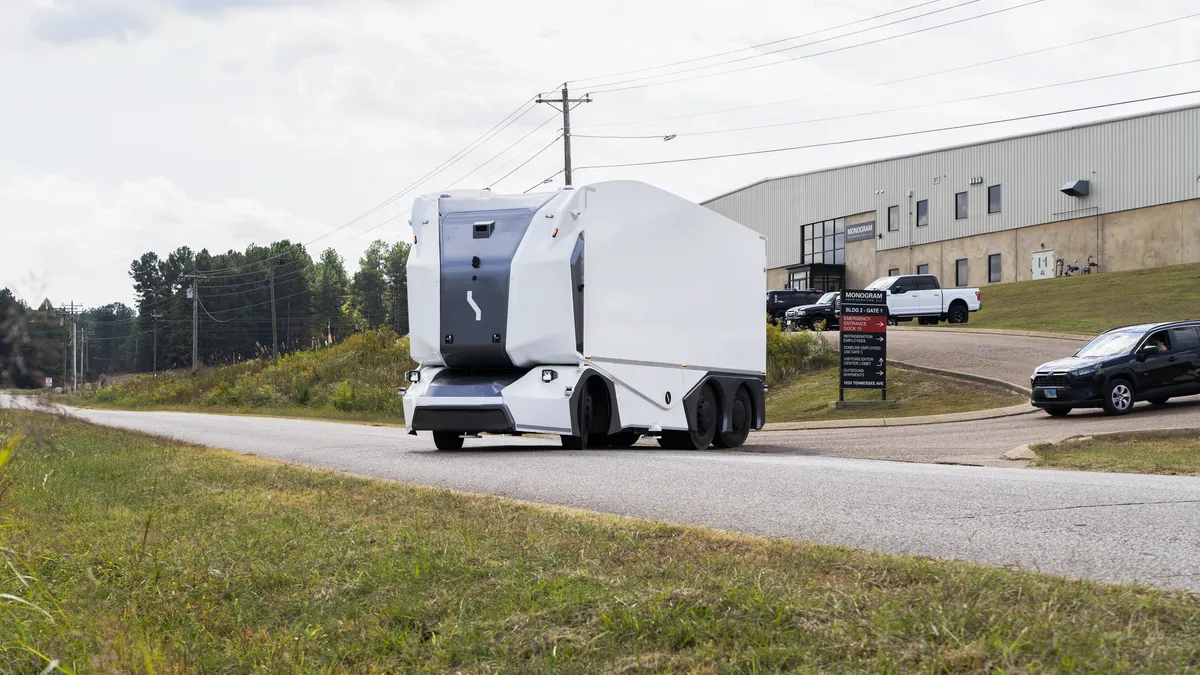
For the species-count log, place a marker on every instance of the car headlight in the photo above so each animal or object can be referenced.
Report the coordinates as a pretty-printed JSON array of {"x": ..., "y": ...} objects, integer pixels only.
[
  {"x": 803, "y": 313},
  {"x": 1085, "y": 372}
]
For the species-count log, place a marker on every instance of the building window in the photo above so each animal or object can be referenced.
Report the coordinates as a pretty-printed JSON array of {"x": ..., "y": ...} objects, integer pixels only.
[
  {"x": 893, "y": 219},
  {"x": 923, "y": 213},
  {"x": 960, "y": 272},
  {"x": 994, "y": 268},
  {"x": 797, "y": 280},
  {"x": 994, "y": 199},
  {"x": 894, "y": 272},
  {"x": 922, "y": 269},
  {"x": 824, "y": 242},
  {"x": 960, "y": 206}
]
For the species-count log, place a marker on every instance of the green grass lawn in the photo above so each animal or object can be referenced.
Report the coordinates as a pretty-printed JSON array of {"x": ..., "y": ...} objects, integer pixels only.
[
  {"x": 287, "y": 411},
  {"x": 807, "y": 397},
  {"x": 137, "y": 554},
  {"x": 1175, "y": 453},
  {"x": 1094, "y": 303}
]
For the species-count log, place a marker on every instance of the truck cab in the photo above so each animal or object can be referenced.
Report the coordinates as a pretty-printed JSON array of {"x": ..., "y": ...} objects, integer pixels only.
[{"x": 921, "y": 297}]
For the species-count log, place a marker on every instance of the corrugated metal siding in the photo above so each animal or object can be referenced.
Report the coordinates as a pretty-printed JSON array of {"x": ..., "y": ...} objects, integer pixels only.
[{"x": 1131, "y": 163}]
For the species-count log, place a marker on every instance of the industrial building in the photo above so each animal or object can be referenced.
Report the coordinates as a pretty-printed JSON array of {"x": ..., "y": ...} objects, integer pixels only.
[{"x": 1124, "y": 193}]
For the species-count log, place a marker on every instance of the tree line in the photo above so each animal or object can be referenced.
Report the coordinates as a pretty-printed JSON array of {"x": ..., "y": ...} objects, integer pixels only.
[{"x": 315, "y": 302}]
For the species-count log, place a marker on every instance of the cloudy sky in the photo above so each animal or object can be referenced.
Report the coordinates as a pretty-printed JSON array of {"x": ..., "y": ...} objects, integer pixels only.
[{"x": 136, "y": 125}]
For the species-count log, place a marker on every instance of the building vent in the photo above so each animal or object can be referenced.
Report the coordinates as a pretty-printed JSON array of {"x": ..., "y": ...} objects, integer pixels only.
[{"x": 1077, "y": 188}]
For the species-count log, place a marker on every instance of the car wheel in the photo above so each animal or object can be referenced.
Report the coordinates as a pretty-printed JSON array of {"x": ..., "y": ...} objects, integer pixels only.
[
  {"x": 1118, "y": 397},
  {"x": 1159, "y": 400},
  {"x": 701, "y": 433},
  {"x": 1058, "y": 412},
  {"x": 741, "y": 413},
  {"x": 958, "y": 313},
  {"x": 447, "y": 440}
]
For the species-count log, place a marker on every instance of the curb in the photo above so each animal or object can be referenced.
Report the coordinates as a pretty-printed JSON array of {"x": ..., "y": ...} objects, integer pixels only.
[
  {"x": 981, "y": 379},
  {"x": 997, "y": 331},
  {"x": 971, "y": 416}
]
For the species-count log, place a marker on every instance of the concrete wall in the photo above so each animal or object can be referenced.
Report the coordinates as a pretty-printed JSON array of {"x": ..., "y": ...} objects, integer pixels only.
[
  {"x": 1155, "y": 236},
  {"x": 777, "y": 278}
]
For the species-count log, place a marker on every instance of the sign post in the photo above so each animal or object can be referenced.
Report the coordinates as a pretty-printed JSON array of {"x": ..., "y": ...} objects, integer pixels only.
[{"x": 863, "y": 341}]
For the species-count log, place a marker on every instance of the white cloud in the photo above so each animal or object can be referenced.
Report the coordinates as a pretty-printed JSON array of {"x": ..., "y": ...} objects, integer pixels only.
[
  {"x": 79, "y": 237},
  {"x": 323, "y": 109}
]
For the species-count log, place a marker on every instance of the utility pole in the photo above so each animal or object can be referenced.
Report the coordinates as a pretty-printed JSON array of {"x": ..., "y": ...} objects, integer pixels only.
[
  {"x": 156, "y": 316},
  {"x": 566, "y": 102},
  {"x": 195, "y": 323},
  {"x": 70, "y": 309},
  {"x": 274, "y": 323}
]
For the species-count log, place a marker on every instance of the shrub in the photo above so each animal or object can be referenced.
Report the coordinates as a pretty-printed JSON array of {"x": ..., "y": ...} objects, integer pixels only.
[{"x": 792, "y": 354}]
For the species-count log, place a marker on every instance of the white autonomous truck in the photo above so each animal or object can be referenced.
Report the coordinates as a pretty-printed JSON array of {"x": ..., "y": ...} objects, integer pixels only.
[{"x": 601, "y": 314}]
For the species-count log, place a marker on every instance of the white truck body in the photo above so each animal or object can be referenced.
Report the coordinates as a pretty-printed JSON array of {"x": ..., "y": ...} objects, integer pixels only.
[
  {"x": 921, "y": 296},
  {"x": 526, "y": 309}
]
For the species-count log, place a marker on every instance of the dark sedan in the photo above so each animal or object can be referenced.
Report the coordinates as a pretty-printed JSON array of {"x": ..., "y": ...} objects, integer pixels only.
[
  {"x": 807, "y": 316},
  {"x": 1148, "y": 362}
]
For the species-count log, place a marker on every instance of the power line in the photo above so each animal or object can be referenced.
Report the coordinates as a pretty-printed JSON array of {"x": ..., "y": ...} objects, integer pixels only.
[
  {"x": 522, "y": 164},
  {"x": 835, "y": 50},
  {"x": 892, "y": 82},
  {"x": 889, "y": 136},
  {"x": 753, "y": 47},
  {"x": 544, "y": 181},
  {"x": 913, "y": 107}
]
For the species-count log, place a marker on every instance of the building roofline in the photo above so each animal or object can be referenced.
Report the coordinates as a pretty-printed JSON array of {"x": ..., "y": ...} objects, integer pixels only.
[{"x": 960, "y": 146}]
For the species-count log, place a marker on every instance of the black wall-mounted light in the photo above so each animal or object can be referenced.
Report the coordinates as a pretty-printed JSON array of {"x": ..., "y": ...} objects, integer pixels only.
[{"x": 1077, "y": 188}]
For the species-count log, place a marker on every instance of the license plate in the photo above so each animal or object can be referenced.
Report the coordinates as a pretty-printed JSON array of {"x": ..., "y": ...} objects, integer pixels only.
[{"x": 1051, "y": 393}]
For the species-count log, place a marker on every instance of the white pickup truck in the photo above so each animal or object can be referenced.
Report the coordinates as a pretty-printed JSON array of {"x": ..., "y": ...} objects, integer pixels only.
[{"x": 920, "y": 296}]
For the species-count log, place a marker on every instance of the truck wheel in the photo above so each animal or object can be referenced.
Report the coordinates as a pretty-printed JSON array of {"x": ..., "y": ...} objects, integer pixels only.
[
  {"x": 447, "y": 440},
  {"x": 705, "y": 427},
  {"x": 958, "y": 313},
  {"x": 739, "y": 422}
]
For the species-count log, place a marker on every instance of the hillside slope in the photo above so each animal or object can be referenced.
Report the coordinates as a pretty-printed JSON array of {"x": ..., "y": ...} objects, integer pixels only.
[{"x": 1094, "y": 303}]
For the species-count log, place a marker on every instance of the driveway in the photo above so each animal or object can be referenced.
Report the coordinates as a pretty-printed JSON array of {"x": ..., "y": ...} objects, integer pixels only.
[{"x": 1108, "y": 527}]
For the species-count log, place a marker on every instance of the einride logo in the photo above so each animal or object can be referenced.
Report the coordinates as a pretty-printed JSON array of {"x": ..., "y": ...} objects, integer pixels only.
[{"x": 474, "y": 306}]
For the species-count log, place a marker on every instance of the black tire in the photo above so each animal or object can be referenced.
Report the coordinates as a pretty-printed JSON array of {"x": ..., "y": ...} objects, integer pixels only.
[
  {"x": 624, "y": 439},
  {"x": 571, "y": 442},
  {"x": 741, "y": 417},
  {"x": 447, "y": 440},
  {"x": 1159, "y": 400},
  {"x": 701, "y": 436},
  {"x": 958, "y": 313},
  {"x": 1118, "y": 397},
  {"x": 1058, "y": 412}
]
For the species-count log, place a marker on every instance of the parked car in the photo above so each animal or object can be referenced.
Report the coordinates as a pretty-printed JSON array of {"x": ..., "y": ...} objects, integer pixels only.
[
  {"x": 1149, "y": 362},
  {"x": 921, "y": 297},
  {"x": 808, "y": 316},
  {"x": 779, "y": 302}
]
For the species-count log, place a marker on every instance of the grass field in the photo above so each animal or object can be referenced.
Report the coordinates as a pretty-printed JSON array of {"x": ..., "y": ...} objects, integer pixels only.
[
  {"x": 1094, "y": 303},
  {"x": 1174, "y": 453},
  {"x": 134, "y": 554},
  {"x": 806, "y": 398}
]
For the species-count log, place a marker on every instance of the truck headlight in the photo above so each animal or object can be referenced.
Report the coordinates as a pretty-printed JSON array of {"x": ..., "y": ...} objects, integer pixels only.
[
  {"x": 413, "y": 376},
  {"x": 549, "y": 375}
]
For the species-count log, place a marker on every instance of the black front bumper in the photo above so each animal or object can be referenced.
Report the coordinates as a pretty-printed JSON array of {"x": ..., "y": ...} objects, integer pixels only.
[
  {"x": 491, "y": 419},
  {"x": 1084, "y": 392}
]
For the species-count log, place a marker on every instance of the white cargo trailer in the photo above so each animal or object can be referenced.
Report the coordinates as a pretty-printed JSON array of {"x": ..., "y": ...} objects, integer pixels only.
[{"x": 661, "y": 333}]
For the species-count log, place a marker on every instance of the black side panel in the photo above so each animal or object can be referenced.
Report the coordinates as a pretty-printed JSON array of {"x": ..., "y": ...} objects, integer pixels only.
[
  {"x": 477, "y": 250},
  {"x": 577, "y": 286},
  {"x": 726, "y": 386},
  {"x": 472, "y": 383}
]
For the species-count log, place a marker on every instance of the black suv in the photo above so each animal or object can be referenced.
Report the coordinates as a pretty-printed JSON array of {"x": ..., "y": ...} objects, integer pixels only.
[
  {"x": 1148, "y": 362},
  {"x": 779, "y": 302}
]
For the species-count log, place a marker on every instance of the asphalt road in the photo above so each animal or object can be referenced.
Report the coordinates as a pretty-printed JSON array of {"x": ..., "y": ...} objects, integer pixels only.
[{"x": 1109, "y": 527}]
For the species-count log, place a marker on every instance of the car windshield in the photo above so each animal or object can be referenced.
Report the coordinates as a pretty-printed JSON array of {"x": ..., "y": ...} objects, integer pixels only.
[
  {"x": 881, "y": 284},
  {"x": 827, "y": 299},
  {"x": 1111, "y": 344}
]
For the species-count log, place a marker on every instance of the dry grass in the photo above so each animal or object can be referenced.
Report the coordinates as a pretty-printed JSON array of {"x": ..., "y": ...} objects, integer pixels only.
[
  {"x": 1172, "y": 453},
  {"x": 152, "y": 556}
]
